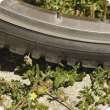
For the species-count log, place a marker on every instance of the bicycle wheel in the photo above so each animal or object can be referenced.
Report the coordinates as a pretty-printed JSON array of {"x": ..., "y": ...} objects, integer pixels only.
[{"x": 28, "y": 29}]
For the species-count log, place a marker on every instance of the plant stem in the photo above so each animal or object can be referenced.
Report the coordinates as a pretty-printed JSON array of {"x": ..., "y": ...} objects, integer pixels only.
[
  {"x": 105, "y": 87},
  {"x": 57, "y": 95},
  {"x": 100, "y": 85},
  {"x": 59, "y": 13},
  {"x": 92, "y": 77},
  {"x": 37, "y": 70},
  {"x": 7, "y": 82},
  {"x": 17, "y": 104},
  {"x": 105, "y": 10},
  {"x": 93, "y": 11},
  {"x": 32, "y": 87},
  {"x": 4, "y": 106},
  {"x": 62, "y": 6},
  {"x": 28, "y": 94}
]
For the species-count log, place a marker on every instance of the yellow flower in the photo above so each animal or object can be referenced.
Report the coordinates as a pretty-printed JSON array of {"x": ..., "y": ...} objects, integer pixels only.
[
  {"x": 68, "y": 78},
  {"x": 33, "y": 96}
]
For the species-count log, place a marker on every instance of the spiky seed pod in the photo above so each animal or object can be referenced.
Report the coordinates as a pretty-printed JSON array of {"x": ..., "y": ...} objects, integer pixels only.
[
  {"x": 41, "y": 90},
  {"x": 49, "y": 82}
]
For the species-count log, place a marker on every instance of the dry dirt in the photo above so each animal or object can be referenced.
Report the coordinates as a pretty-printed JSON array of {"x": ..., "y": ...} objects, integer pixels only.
[{"x": 53, "y": 103}]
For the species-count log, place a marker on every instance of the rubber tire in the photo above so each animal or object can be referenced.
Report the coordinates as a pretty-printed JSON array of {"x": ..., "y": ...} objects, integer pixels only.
[{"x": 29, "y": 29}]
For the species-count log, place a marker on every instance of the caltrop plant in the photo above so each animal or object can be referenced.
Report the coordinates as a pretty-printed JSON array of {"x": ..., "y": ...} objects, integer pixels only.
[
  {"x": 100, "y": 78},
  {"x": 85, "y": 8},
  {"x": 25, "y": 96},
  {"x": 88, "y": 99}
]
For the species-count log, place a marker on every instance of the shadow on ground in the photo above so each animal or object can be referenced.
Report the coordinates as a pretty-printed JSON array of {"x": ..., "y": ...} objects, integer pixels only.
[{"x": 9, "y": 61}]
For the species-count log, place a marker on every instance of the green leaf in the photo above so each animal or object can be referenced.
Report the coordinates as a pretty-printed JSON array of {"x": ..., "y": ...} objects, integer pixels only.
[
  {"x": 25, "y": 75},
  {"x": 73, "y": 74},
  {"x": 90, "y": 98},
  {"x": 83, "y": 1},
  {"x": 16, "y": 83},
  {"x": 80, "y": 102},
  {"x": 11, "y": 108},
  {"x": 14, "y": 93},
  {"x": 100, "y": 15},
  {"x": 80, "y": 76},
  {"x": 2, "y": 87},
  {"x": 14, "y": 102},
  {"x": 29, "y": 100},
  {"x": 18, "y": 68},
  {"x": 61, "y": 3},
  {"x": 86, "y": 105},
  {"x": 95, "y": 85},
  {"x": 59, "y": 92},
  {"x": 76, "y": 67},
  {"x": 99, "y": 90},
  {"x": 27, "y": 108},
  {"x": 41, "y": 106},
  {"x": 86, "y": 89},
  {"x": 18, "y": 96},
  {"x": 109, "y": 83},
  {"x": 81, "y": 107},
  {"x": 107, "y": 100},
  {"x": 101, "y": 100},
  {"x": 1, "y": 100},
  {"x": 1, "y": 92},
  {"x": 61, "y": 65},
  {"x": 72, "y": 82},
  {"x": 92, "y": 108},
  {"x": 58, "y": 80},
  {"x": 33, "y": 106},
  {"x": 70, "y": 12},
  {"x": 25, "y": 105}
]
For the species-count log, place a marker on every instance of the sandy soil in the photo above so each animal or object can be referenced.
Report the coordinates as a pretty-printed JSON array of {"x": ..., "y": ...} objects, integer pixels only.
[{"x": 52, "y": 101}]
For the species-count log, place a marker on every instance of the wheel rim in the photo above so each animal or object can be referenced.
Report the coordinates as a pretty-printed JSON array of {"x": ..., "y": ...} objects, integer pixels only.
[{"x": 62, "y": 34}]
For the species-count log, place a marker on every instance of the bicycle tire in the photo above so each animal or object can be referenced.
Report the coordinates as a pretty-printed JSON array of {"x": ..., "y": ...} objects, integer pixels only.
[{"x": 29, "y": 29}]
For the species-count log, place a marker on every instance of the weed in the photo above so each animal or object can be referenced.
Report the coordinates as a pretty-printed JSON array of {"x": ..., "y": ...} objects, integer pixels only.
[{"x": 25, "y": 97}]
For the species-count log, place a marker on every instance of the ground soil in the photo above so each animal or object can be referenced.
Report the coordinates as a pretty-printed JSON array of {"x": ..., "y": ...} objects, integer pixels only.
[{"x": 72, "y": 92}]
